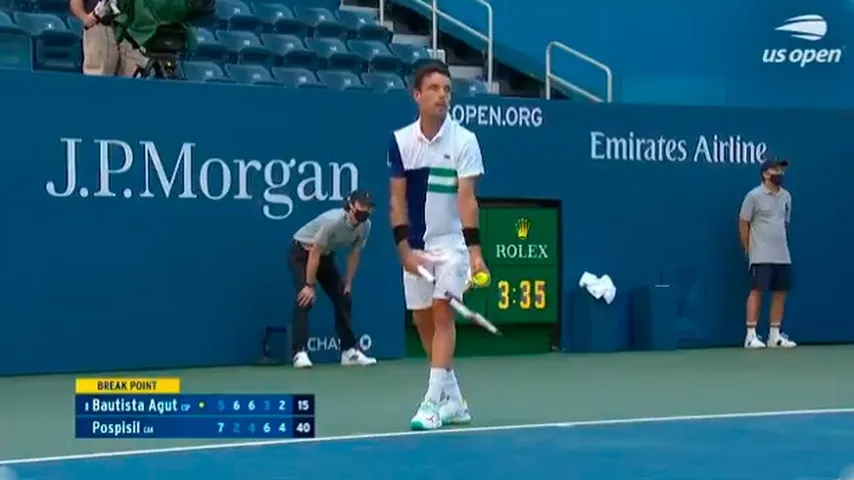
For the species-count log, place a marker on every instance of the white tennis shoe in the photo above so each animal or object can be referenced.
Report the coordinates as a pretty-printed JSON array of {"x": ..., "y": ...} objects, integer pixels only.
[
  {"x": 355, "y": 357},
  {"x": 780, "y": 341},
  {"x": 454, "y": 412},
  {"x": 301, "y": 360},
  {"x": 753, "y": 341},
  {"x": 427, "y": 417}
]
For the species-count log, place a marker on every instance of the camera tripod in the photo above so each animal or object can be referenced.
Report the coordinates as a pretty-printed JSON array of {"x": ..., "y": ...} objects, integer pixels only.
[{"x": 162, "y": 65}]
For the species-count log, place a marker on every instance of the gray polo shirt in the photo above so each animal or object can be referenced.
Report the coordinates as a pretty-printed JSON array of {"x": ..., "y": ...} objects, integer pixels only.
[
  {"x": 332, "y": 230},
  {"x": 769, "y": 214}
]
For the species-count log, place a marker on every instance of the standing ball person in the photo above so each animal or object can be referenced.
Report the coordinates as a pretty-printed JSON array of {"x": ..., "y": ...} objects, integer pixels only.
[
  {"x": 312, "y": 261},
  {"x": 764, "y": 229}
]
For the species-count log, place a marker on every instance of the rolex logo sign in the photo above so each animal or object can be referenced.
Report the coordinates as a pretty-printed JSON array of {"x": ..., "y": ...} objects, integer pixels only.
[
  {"x": 523, "y": 226},
  {"x": 522, "y": 250}
]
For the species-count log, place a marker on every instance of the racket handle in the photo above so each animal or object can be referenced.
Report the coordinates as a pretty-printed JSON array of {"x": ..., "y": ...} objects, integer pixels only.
[
  {"x": 460, "y": 307},
  {"x": 426, "y": 274}
]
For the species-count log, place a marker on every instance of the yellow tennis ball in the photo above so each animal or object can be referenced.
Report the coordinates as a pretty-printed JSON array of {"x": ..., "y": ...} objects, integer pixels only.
[{"x": 480, "y": 279}]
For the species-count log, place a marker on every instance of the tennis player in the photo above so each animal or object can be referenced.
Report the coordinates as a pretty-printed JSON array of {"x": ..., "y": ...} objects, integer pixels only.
[{"x": 434, "y": 163}]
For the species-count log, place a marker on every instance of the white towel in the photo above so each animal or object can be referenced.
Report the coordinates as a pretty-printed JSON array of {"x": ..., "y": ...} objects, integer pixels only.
[{"x": 598, "y": 287}]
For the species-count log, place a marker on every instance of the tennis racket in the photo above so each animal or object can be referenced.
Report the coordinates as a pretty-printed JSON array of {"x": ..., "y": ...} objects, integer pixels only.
[{"x": 457, "y": 304}]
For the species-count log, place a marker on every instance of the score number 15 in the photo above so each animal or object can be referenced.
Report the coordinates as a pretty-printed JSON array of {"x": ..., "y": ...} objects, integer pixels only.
[{"x": 538, "y": 290}]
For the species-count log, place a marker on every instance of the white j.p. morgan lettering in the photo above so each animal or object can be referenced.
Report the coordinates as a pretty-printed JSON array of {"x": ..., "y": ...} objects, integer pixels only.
[{"x": 144, "y": 171}]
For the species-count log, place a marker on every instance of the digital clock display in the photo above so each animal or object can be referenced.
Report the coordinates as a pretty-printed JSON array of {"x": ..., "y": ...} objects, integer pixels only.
[
  {"x": 523, "y": 294},
  {"x": 531, "y": 294}
]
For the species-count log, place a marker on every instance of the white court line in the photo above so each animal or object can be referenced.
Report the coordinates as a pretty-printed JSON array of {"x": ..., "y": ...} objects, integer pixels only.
[{"x": 463, "y": 430}]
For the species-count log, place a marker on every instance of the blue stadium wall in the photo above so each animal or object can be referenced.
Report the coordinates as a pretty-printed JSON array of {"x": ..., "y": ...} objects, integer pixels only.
[
  {"x": 726, "y": 52},
  {"x": 146, "y": 224}
]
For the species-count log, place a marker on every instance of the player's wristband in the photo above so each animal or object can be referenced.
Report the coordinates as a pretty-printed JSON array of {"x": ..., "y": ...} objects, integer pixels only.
[
  {"x": 401, "y": 233},
  {"x": 472, "y": 236}
]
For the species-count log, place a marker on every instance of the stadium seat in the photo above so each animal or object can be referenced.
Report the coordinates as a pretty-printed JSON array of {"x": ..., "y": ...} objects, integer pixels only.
[
  {"x": 245, "y": 47},
  {"x": 291, "y": 51},
  {"x": 463, "y": 87},
  {"x": 411, "y": 55},
  {"x": 323, "y": 22},
  {"x": 74, "y": 25},
  {"x": 376, "y": 56},
  {"x": 208, "y": 47},
  {"x": 297, "y": 77},
  {"x": 251, "y": 75},
  {"x": 341, "y": 80},
  {"x": 56, "y": 47},
  {"x": 280, "y": 19},
  {"x": 7, "y": 25},
  {"x": 236, "y": 15},
  {"x": 204, "y": 72},
  {"x": 327, "y": 4},
  {"x": 15, "y": 49},
  {"x": 334, "y": 54},
  {"x": 363, "y": 26},
  {"x": 383, "y": 82}
]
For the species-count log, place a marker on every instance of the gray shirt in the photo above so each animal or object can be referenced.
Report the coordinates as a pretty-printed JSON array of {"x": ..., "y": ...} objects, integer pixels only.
[
  {"x": 769, "y": 214},
  {"x": 332, "y": 230}
]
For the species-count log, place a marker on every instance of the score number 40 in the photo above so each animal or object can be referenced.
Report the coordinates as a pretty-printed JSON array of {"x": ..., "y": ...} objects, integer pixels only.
[
  {"x": 301, "y": 427},
  {"x": 537, "y": 294}
]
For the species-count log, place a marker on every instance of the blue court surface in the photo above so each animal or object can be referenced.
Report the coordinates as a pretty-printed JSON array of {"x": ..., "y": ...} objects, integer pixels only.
[{"x": 795, "y": 445}]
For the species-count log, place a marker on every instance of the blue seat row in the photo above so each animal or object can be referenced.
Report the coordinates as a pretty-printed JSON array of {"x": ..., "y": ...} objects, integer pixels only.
[
  {"x": 40, "y": 41},
  {"x": 61, "y": 6},
  {"x": 296, "y": 77},
  {"x": 259, "y": 17},
  {"x": 44, "y": 41},
  {"x": 272, "y": 49}
]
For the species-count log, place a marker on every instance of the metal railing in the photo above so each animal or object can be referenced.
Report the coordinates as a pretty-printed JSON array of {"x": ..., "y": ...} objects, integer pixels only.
[
  {"x": 433, "y": 6},
  {"x": 551, "y": 77}
]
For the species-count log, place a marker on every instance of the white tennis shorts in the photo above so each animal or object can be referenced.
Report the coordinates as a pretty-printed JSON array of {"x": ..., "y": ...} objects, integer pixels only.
[{"x": 451, "y": 270}]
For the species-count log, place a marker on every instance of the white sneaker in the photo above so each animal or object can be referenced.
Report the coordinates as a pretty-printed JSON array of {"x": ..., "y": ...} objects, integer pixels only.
[
  {"x": 301, "y": 360},
  {"x": 427, "y": 417},
  {"x": 454, "y": 412},
  {"x": 780, "y": 341},
  {"x": 355, "y": 357},
  {"x": 753, "y": 341}
]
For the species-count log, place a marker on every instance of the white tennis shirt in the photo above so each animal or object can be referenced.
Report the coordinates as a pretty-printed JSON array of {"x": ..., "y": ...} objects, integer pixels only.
[{"x": 432, "y": 169}]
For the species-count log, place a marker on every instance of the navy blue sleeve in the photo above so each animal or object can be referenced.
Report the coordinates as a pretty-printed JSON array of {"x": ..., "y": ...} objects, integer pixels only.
[{"x": 394, "y": 161}]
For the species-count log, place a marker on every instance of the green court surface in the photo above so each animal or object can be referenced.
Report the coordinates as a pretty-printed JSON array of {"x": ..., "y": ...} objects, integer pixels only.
[{"x": 36, "y": 418}]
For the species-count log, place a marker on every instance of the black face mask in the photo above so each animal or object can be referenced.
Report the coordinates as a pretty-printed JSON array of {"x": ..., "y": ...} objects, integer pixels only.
[
  {"x": 360, "y": 216},
  {"x": 776, "y": 179}
]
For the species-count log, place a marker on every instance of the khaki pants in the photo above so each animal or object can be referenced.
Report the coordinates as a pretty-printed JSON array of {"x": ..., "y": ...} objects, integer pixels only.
[{"x": 101, "y": 55}]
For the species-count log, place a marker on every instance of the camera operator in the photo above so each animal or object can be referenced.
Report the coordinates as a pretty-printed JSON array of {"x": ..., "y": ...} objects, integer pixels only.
[{"x": 101, "y": 54}]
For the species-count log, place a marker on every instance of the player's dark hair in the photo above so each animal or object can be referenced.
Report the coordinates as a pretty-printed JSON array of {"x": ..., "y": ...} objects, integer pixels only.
[{"x": 429, "y": 68}]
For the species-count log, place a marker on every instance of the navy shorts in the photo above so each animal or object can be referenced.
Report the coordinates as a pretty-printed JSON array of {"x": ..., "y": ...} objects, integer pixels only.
[{"x": 773, "y": 277}]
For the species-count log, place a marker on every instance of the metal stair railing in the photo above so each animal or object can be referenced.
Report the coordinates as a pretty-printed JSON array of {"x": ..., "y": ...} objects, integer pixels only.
[
  {"x": 552, "y": 77},
  {"x": 435, "y": 12}
]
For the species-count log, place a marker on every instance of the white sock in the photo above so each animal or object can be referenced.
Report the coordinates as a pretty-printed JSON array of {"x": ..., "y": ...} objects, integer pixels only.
[
  {"x": 775, "y": 332},
  {"x": 436, "y": 385},
  {"x": 452, "y": 388},
  {"x": 751, "y": 332}
]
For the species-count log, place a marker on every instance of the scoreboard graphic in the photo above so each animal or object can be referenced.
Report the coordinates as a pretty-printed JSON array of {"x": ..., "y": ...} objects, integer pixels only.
[{"x": 155, "y": 408}]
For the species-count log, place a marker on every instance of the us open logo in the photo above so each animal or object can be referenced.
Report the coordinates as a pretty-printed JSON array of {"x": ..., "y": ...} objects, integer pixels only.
[{"x": 810, "y": 28}]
